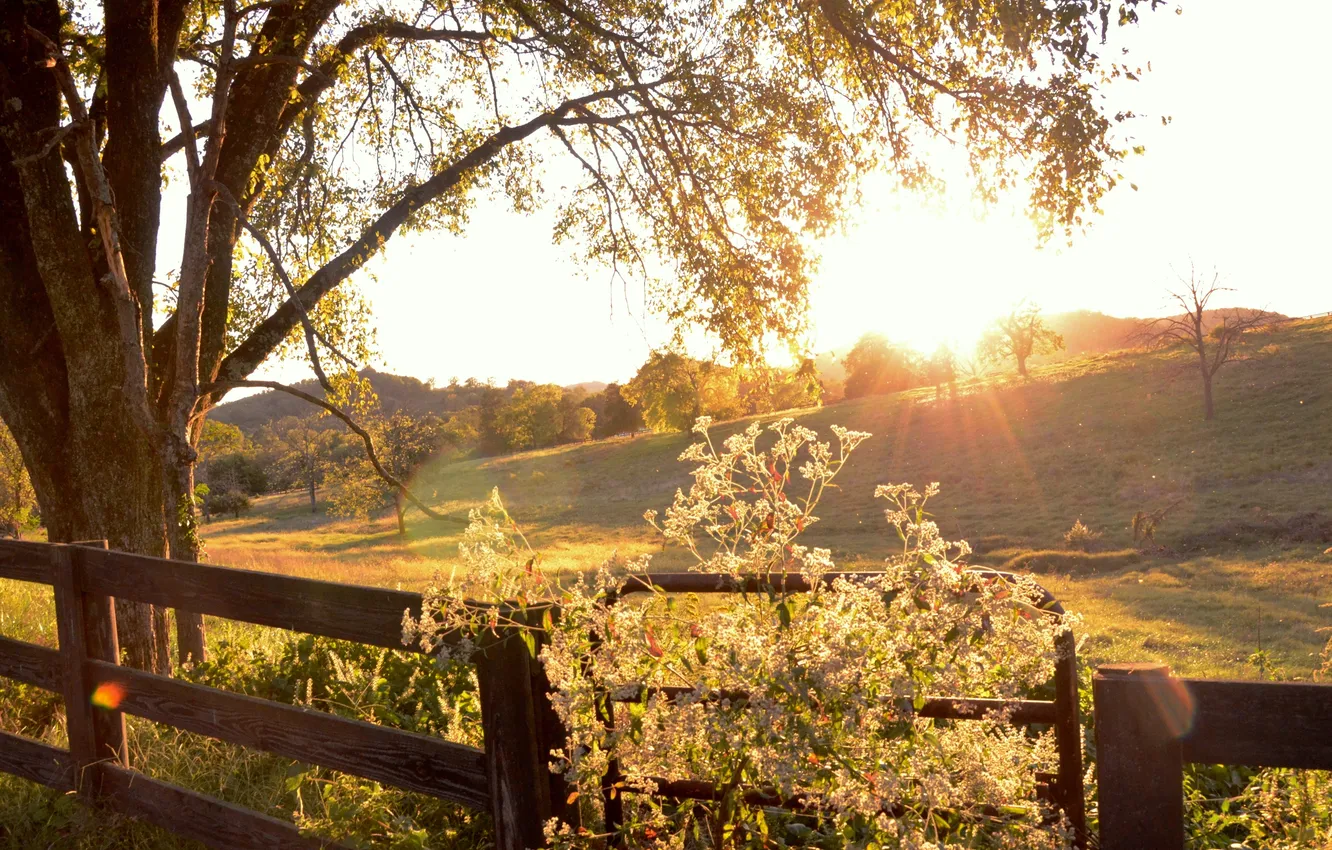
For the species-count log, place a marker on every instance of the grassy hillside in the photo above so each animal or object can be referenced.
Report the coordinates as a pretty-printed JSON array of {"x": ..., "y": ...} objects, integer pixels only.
[{"x": 1240, "y": 567}]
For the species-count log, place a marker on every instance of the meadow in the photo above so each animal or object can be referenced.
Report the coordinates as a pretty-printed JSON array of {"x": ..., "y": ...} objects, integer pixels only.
[
  {"x": 1239, "y": 564},
  {"x": 1231, "y": 587}
]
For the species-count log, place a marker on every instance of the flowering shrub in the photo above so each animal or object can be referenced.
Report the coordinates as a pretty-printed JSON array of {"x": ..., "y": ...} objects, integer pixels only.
[{"x": 810, "y": 697}]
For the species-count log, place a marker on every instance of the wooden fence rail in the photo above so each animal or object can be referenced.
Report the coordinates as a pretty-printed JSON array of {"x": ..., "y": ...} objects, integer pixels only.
[
  {"x": 86, "y": 580},
  {"x": 1149, "y": 724},
  {"x": 509, "y": 778}
]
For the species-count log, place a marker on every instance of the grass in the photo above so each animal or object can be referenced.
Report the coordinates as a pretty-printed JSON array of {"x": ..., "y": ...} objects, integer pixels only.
[{"x": 1240, "y": 564}]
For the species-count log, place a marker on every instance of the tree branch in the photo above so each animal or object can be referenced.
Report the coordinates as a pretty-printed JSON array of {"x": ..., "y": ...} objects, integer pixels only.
[
  {"x": 176, "y": 143},
  {"x": 366, "y": 439},
  {"x": 247, "y": 356}
]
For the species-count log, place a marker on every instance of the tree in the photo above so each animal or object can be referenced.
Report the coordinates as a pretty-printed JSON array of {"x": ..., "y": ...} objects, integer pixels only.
[
  {"x": 710, "y": 137},
  {"x": 1018, "y": 336},
  {"x": 579, "y": 425},
  {"x": 1214, "y": 338},
  {"x": 531, "y": 419},
  {"x": 941, "y": 368},
  {"x": 874, "y": 366},
  {"x": 17, "y": 500},
  {"x": 673, "y": 390},
  {"x": 304, "y": 449},
  {"x": 618, "y": 416},
  {"x": 404, "y": 443}
]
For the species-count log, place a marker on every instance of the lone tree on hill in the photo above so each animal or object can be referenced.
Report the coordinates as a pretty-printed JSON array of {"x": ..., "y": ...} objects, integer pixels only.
[
  {"x": 1214, "y": 336},
  {"x": 707, "y": 139},
  {"x": 1018, "y": 336}
]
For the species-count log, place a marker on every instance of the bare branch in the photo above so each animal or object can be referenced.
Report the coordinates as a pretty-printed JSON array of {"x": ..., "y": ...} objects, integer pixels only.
[{"x": 176, "y": 143}]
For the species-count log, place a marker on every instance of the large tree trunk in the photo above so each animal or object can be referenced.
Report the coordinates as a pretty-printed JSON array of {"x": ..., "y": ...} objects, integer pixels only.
[
  {"x": 401, "y": 508},
  {"x": 1022, "y": 366},
  {"x": 108, "y": 484},
  {"x": 314, "y": 502}
]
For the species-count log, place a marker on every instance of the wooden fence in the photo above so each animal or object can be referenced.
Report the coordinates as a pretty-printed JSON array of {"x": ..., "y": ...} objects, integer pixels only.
[
  {"x": 1149, "y": 724},
  {"x": 509, "y": 778}
]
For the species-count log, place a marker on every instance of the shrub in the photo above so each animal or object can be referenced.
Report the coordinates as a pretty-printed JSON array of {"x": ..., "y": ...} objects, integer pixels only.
[
  {"x": 833, "y": 677},
  {"x": 1081, "y": 537}
]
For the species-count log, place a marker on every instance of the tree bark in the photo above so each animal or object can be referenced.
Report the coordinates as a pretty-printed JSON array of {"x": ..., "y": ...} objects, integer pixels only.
[
  {"x": 1208, "y": 411},
  {"x": 1022, "y": 366},
  {"x": 314, "y": 509},
  {"x": 401, "y": 508}
]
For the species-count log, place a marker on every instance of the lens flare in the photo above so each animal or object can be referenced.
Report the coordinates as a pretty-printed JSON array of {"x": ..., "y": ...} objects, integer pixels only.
[{"x": 108, "y": 695}]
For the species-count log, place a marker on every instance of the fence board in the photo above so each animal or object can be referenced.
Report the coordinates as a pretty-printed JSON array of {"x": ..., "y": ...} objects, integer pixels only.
[
  {"x": 1260, "y": 724},
  {"x": 402, "y": 759},
  {"x": 791, "y": 582},
  {"x": 1023, "y": 711},
  {"x": 24, "y": 561},
  {"x": 30, "y": 664},
  {"x": 370, "y": 615},
  {"x": 36, "y": 762},
  {"x": 206, "y": 820}
]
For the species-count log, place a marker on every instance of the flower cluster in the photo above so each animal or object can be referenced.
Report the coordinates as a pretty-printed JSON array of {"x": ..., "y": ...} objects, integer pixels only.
[{"x": 809, "y": 697}]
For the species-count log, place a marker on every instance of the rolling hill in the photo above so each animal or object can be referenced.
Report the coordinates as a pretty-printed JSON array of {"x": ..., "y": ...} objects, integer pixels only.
[{"x": 1239, "y": 566}]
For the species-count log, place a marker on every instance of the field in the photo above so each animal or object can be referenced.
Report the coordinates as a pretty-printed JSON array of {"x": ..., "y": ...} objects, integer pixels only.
[{"x": 1232, "y": 588}]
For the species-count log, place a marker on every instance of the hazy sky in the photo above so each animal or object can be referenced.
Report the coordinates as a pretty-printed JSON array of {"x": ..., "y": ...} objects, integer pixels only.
[{"x": 1239, "y": 180}]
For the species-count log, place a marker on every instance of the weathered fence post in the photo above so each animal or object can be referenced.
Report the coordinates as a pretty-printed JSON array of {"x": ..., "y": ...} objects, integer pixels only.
[
  {"x": 86, "y": 627},
  {"x": 551, "y": 733},
  {"x": 1068, "y": 734},
  {"x": 517, "y": 765},
  {"x": 1141, "y": 712}
]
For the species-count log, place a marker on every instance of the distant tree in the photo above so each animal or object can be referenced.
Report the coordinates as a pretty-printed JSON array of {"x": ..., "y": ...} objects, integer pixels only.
[
  {"x": 578, "y": 419},
  {"x": 1018, "y": 336},
  {"x": 227, "y": 502},
  {"x": 618, "y": 414},
  {"x": 941, "y": 368},
  {"x": 17, "y": 501},
  {"x": 459, "y": 432},
  {"x": 532, "y": 418},
  {"x": 579, "y": 425},
  {"x": 788, "y": 389},
  {"x": 404, "y": 444},
  {"x": 218, "y": 439},
  {"x": 304, "y": 448},
  {"x": 1214, "y": 347},
  {"x": 673, "y": 390},
  {"x": 239, "y": 471},
  {"x": 875, "y": 366}
]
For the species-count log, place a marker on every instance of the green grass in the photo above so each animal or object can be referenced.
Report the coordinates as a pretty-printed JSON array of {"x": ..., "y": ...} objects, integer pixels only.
[{"x": 1096, "y": 438}]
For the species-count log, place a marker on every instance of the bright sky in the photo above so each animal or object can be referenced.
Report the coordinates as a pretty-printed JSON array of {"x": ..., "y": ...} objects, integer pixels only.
[{"x": 1239, "y": 180}]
